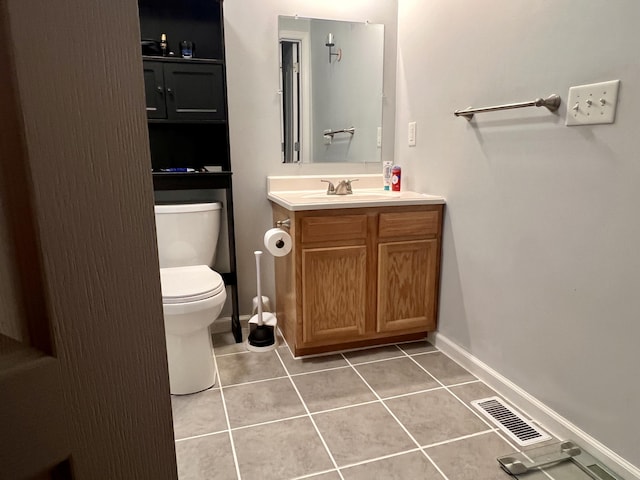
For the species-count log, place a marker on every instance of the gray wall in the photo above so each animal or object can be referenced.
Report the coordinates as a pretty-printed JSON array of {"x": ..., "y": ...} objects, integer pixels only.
[
  {"x": 541, "y": 265},
  {"x": 251, "y": 40}
]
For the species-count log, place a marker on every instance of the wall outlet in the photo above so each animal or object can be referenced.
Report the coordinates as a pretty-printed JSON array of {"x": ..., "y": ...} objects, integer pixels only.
[
  {"x": 412, "y": 134},
  {"x": 592, "y": 104},
  {"x": 379, "y": 138}
]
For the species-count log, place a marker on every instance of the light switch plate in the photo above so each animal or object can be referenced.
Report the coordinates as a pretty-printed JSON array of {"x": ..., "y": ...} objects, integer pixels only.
[
  {"x": 593, "y": 103},
  {"x": 412, "y": 134}
]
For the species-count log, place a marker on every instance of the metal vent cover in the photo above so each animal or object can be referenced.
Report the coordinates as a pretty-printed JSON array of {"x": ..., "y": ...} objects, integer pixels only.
[{"x": 511, "y": 422}]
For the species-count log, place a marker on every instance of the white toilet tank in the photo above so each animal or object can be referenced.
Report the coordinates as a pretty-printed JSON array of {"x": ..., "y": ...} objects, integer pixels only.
[{"x": 187, "y": 233}]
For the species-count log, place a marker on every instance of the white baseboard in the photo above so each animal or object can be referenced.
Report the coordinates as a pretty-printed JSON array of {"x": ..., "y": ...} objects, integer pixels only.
[{"x": 547, "y": 418}]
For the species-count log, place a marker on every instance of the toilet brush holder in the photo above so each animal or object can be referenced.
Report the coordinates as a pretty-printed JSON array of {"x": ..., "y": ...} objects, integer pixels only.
[
  {"x": 266, "y": 305},
  {"x": 262, "y": 326},
  {"x": 270, "y": 322}
]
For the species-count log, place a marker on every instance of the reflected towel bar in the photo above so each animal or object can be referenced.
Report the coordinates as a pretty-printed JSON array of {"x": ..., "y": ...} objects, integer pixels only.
[
  {"x": 331, "y": 133},
  {"x": 552, "y": 102}
]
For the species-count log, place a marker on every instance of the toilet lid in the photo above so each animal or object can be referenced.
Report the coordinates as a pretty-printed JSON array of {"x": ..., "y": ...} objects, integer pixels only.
[{"x": 189, "y": 284}]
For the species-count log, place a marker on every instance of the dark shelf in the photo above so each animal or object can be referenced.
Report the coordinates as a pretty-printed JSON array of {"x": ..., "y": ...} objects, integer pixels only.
[
  {"x": 199, "y": 122},
  {"x": 191, "y": 180},
  {"x": 214, "y": 61},
  {"x": 199, "y": 21},
  {"x": 186, "y": 100}
]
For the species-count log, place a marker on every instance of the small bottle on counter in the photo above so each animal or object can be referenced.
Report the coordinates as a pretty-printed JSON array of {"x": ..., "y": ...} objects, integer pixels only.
[
  {"x": 387, "y": 165},
  {"x": 395, "y": 178},
  {"x": 163, "y": 44}
]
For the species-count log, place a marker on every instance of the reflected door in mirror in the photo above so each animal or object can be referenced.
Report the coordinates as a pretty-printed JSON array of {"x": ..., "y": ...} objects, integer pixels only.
[{"x": 290, "y": 76}]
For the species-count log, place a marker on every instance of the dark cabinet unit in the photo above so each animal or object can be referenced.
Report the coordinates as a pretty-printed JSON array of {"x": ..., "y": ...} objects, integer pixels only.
[
  {"x": 186, "y": 102},
  {"x": 154, "y": 90},
  {"x": 184, "y": 90}
]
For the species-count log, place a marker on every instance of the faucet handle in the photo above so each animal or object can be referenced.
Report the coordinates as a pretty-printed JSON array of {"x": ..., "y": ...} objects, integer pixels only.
[
  {"x": 330, "y": 188},
  {"x": 348, "y": 182}
]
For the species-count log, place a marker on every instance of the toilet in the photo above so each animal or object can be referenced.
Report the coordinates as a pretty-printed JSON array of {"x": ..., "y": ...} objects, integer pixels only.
[{"x": 192, "y": 293}]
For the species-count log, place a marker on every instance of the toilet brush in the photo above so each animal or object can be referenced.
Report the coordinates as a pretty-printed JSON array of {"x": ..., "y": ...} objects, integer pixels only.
[{"x": 262, "y": 326}]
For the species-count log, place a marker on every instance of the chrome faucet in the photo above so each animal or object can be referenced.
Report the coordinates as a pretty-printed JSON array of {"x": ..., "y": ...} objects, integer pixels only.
[
  {"x": 343, "y": 187},
  {"x": 331, "y": 190}
]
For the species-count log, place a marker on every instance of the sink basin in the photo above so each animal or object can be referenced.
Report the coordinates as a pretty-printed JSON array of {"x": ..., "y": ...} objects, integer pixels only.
[
  {"x": 306, "y": 192},
  {"x": 351, "y": 196}
]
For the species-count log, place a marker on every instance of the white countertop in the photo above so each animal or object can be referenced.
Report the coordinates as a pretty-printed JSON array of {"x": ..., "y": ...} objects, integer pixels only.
[{"x": 302, "y": 193}]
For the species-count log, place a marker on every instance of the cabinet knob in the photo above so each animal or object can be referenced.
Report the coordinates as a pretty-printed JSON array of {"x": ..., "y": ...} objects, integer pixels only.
[
  {"x": 169, "y": 91},
  {"x": 160, "y": 89}
]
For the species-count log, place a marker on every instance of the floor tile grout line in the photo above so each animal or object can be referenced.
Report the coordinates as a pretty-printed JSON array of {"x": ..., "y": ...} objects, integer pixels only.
[
  {"x": 368, "y": 362},
  {"x": 409, "y": 394},
  {"x": 508, "y": 440},
  {"x": 326, "y": 447},
  {"x": 242, "y": 427},
  {"x": 226, "y": 415},
  {"x": 315, "y": 474},
  {"x": 383, "y": 457},
  {"x": 242, "y": 352},
  {"x": 401, "y": 355},
  {"x": 318, "y": 371},
  {"x": 265, "y": 380},
  {"x": 268, "y": 422},
  {"x": 177, "y": 440},
  {"x": 477, "y": 414},
  {"x": 262, "y": 380},
  {"x": 286, "y": 343},
  {"x": 435, "y": 465},
  {"x": 441, "y": 387},
  {"x": 344, "y": 407},
  {"x": 461, "y": 384},
  {"x": 419, "y": 354},
  {"x": 461, "y": 437},
  {"x": 395, "y": 418}
]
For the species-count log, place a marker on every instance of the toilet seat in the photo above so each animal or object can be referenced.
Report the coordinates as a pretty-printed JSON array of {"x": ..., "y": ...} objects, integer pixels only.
[{"x": 189, "y": 284}]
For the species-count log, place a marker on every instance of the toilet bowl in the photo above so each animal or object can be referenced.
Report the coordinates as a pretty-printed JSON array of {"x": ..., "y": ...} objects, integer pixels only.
[
  {"x": 192, "y": 298},
  {"x": 192, "y": 293}
]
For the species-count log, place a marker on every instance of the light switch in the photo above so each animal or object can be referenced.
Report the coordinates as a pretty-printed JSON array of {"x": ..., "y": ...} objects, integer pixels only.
[
  {"x": 593, "y": 103},
  {"x": 412, "y": 134}
]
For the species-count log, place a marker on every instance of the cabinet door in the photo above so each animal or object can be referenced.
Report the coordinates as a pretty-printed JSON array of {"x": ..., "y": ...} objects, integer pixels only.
[
  {"x": 407, "y": 285},
  {"x": 333, "y": 293},
  {"x": 154, "y": 90},
  {"x": 194, "y": 91}
]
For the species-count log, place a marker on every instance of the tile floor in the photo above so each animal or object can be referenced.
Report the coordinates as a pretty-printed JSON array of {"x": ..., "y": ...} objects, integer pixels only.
[{"x": 392, "y": 412}]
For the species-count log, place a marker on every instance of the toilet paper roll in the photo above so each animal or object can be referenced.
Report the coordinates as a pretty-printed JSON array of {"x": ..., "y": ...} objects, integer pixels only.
[{"x": 277, "y": 242}]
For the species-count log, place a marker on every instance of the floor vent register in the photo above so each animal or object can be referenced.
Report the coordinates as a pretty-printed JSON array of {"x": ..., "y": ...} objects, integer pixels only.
[{"x": 522, "y": 431}]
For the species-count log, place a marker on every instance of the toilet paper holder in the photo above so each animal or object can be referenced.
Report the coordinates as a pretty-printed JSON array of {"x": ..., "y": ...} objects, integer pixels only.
[{"x": 286, "y": 223}]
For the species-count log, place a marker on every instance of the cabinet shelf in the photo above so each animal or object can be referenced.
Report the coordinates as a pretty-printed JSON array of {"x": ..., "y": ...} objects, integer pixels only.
[
  {"x": 156, "y": 58},
  {"x": 186, "y": 122},
  {"x": 191, "y": 180}
]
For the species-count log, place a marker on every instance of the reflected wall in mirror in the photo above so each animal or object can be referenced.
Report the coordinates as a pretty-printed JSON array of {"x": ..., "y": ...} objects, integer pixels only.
[{"x": 331, "y": 87}]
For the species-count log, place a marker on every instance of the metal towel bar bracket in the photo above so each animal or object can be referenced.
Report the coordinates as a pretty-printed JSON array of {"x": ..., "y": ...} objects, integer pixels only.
[
  {"x": 331, "y": 133},
  {"x": 552, "y": 102}
]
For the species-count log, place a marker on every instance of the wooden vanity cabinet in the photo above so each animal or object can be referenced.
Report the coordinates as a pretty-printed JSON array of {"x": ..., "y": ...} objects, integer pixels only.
[{"x": 358, "y": 277}]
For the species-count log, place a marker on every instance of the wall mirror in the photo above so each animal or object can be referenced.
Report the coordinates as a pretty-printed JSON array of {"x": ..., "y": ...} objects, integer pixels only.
[{"x": 331, "y": 90}]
